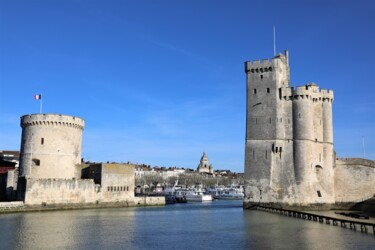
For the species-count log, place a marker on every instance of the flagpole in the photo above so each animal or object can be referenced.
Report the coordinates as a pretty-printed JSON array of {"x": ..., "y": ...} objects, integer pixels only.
[{"x": 41, "y": 103}]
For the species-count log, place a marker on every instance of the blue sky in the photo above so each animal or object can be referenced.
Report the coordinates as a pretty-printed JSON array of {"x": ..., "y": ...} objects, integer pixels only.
[{"x": 159, "y": 82}]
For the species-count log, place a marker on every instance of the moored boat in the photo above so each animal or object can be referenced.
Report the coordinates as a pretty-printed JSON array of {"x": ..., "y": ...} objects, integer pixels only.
[
  {"x": 193, "y": 195},
  {"x": 228, "y": 193}
]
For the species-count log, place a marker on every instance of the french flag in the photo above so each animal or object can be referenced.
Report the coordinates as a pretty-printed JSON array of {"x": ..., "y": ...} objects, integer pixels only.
[{"x": 38, "y": 97}]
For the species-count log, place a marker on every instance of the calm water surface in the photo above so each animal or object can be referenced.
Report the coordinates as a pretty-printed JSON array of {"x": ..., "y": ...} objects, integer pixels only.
[{"x": 214, "y": 225}]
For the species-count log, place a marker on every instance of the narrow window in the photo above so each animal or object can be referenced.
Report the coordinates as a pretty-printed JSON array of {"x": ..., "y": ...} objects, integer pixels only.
[
  {"x": 36, "y": 162},
  {"x": 108, "y": 189},
  {"x": 42, "y": 141},
  {"x": 261, "y": 76},
  {"x": 268, "y": 90},
  {"x": 266, "y": 155},
  {"x": 320, "y": 157},
  {"x": 253, "y": 154},
  {"x": 270, "y": 120},
  {"x": 299, "y": 115},
  {"x": 319, "y": 194},
  {"x": 127, "y": 188},
  {"x": 254, "y": 91}
]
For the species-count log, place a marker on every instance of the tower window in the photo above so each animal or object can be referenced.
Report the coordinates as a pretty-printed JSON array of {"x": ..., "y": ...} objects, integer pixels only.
[
  {"x": 268, "y": 90},
  {"x": 270, "y": 120},
  {"x": 270, "y": 68},
  {"x": 254, "y": 91},
  {"x": 42, "y": 141},
  {"x": 319, "y": 194},
  {"x": 261, "y": 76},
  {"x": 36, "y": 162}
]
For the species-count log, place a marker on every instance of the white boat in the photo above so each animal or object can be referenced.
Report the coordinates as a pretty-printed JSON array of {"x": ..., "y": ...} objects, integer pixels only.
[
  {"x": 228, "y": 193},
  {"x": 193, "y": 195}
]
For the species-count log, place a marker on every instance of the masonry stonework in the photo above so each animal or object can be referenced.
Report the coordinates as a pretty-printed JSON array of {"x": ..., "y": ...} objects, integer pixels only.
[
  {"x": 51, "y": 173},
  {"x": 289, "y": 156},
  {"x": 51, "y": 145}
]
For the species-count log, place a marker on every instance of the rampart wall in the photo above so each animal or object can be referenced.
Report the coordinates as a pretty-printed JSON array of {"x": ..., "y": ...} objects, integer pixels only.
[
  {"x": 60, "y": 191},
  {"x": 354, "y": 180}
]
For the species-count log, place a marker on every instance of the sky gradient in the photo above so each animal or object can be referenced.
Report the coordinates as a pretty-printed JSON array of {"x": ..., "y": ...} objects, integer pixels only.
[{"x": 159, "y": 82}]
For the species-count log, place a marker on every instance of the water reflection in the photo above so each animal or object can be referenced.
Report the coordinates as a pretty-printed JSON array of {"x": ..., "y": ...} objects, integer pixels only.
[
  {"x": 101, "y": 228},
  {"x": 216, "y": 225}
]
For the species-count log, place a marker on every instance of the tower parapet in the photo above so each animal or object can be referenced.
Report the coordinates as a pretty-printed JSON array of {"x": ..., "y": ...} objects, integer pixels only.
[{"x": 51, "y": 145}]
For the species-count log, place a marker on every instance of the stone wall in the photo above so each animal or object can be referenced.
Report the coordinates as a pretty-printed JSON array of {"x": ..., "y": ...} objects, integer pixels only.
[
  {"x": 117, "y": 182},
  {"x": 149, "y": 201},
  {"x": 59, "y": 191},
  {"x": 103, "y": 183},
  {"x": 354, "y": 180}
]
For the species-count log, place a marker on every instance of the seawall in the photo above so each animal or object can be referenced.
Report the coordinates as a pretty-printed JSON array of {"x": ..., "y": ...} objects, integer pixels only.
[{"x": 19, "y": 206}]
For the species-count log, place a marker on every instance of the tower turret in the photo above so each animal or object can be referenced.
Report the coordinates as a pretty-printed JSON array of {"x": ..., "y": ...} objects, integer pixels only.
[{"x": 51, "y": 145}]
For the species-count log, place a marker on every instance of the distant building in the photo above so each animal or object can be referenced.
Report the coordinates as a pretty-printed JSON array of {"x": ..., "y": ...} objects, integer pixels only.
[
  {"x": 9, "y": 162},
  {"x": 204, "y": 165}
]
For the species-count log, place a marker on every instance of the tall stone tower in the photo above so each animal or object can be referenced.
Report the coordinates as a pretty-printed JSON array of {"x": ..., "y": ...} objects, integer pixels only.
[
  {"x": 51, "y": 146},
  {"x": 288, "y": 137}
]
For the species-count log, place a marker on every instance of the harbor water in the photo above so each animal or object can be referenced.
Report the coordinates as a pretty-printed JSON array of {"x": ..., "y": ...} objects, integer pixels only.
[{"x": 209, "y": 225}]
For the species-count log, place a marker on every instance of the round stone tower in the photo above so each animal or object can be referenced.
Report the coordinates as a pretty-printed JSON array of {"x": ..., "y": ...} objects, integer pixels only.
[{"x": 51, "y": 146}]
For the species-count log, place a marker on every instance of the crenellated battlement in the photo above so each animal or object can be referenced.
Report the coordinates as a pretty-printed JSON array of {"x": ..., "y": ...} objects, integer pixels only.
[
  {"x": 286, "y": 93},
  {"x": 312, "y": 92},
  {"x": 266, "y": 65},
  {"x": 52, "y": 120}
]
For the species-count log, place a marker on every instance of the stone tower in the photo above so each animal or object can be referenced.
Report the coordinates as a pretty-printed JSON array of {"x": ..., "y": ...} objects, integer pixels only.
[
  {"x": 51, "y": 146},
  {"x": 289, "y": 143}
]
